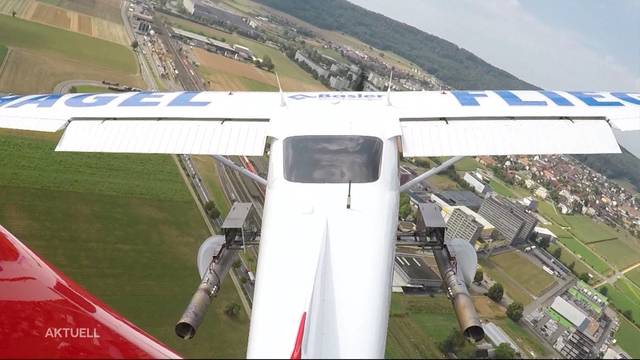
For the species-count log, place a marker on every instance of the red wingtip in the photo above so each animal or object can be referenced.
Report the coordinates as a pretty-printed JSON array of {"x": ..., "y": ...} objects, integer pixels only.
[{"x": 297, "y": 349}]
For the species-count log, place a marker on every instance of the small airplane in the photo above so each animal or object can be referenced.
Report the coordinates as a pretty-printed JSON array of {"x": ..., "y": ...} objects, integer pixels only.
[{"x": 333, "y": 183}]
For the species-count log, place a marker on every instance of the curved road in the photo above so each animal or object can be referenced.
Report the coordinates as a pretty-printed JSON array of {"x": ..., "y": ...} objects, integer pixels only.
[{"x": 65, "y": 86}]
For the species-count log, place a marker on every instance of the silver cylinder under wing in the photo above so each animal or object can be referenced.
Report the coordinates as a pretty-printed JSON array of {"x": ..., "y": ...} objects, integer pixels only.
[
  {"x": 468, "y": 318},
  {"x": 207, "y": 290}
]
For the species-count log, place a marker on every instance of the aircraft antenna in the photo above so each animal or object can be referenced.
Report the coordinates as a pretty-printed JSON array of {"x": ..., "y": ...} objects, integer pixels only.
[
  {"x": 349, "y": 196},
  {"x": 282, "y": 102},
  {"x": 389, "y": 89}
]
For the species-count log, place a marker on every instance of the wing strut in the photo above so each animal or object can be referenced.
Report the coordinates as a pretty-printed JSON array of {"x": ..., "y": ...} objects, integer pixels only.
[
  {"x": 240, "y": 169},
  {"x": 445, "y": 165}
]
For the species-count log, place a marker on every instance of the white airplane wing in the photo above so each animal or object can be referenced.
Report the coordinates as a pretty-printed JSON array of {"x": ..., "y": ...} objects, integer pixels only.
[
  {"x": 517, "y": 122},
  {"x": 430, "y": 123}
]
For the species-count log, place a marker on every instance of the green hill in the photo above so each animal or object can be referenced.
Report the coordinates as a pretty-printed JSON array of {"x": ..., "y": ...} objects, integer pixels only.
[{"x": 455, "y": 66}]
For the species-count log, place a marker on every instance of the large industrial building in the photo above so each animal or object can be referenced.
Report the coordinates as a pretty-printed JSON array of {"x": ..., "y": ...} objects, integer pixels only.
[
  {"x": 458, "y": 198},
  {"x": 463, "y": 223},
  {"x": 511, "y": 220},
  {"x": 208, "y": 11}
]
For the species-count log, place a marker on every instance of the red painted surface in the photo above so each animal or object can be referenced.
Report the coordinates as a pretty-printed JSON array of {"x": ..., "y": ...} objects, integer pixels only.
[
  {"x": 297, "y": 348},
  {"x": 43, "y": 314}
]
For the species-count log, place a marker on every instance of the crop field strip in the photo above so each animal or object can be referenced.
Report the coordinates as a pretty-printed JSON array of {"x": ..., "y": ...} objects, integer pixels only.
[
  {"x": 42, "y": 56},
  {"x": 66, "y": 19}
]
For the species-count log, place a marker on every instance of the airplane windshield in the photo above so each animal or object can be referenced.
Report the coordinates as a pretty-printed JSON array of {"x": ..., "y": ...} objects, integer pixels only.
[{"x": 332, "y": 158}]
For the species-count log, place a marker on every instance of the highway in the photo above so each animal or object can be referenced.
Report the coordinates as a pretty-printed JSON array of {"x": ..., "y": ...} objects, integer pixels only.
[{"x": 187, "y": 170}]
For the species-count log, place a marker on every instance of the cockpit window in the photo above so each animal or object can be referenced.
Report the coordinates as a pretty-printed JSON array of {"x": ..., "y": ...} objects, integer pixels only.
[{"x": 332, "y": 158}]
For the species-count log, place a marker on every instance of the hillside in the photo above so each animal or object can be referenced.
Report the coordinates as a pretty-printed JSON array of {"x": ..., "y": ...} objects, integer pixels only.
[
  {"x": 455, "y": 66},
  {"x": 615, "y": 166}
]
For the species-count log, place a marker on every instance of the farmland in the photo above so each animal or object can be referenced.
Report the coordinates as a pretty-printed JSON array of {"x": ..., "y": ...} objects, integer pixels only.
[
  {"x": 627, "y": 336},
  {"x": 524, "y": 272},
  {"x": 3, "y": 54},
  {"x": 417, "y": 324},
  {"x": 124, "y": 226},
  {"x": 634, "y": 276},
  {"x": 106, "y": 9},
  {"x": 46, "y": 13},
  {"x": 584, "y": 253},
  {"x": 587, "y": 230},
  {"x": 20, "y": 33},
  {"x": 622, "y": 299},
  {"x": 512, "y": 288},
  {"x": 42, "y": 56},
  {"x": 293, "y": 78}
]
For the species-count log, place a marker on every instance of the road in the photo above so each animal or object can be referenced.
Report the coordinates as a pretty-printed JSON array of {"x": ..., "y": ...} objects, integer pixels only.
[
  {"x": 200, "y": 193},
  {"x": 65, "y": 86},
  {"x": 613, "y": 278}
]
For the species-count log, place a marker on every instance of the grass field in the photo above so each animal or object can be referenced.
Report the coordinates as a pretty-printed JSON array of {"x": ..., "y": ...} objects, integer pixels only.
[
  {"x": 105, "y": 9},
  {"x": 617, "y": 253},
  {"x": 584, "y": 253},
  {"x": 623, "y": 299},
  {"x": 634, "y": 276},
  {"x": 208, "y": 169},
  {"x": 547, "y": 210},
  {"x": 501, "y": 188},
  {"x": 20, "y": 33},
  {"x": 589, "y": 230},
  {"x": 627, "y": 337},
  {"x": 467, "y": 164},
  {"x": 512, "y": 288},
  {"x": 417, "y": 324},
  {"x": 124, "y": 227},
  {"x": 524, "y": 272},
  {"x": 3, "y": 53}
]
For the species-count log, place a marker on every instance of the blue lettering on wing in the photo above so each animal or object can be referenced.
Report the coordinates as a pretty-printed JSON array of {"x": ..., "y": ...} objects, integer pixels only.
[
  {"x": 38, "y": 100},
  {"x": 81, "y": 100},
  {"x": 590, "y": 99},
  {"x": 468, "y": 98},
  {"x": 185, "y": 98},
  {"x": 137, "y": 99},
  {"x": 7, "y": 99},
  {"x": 557, "y": 98},
  {"x": 513, "y": 99},
  {"x": 627, "y": 97}
]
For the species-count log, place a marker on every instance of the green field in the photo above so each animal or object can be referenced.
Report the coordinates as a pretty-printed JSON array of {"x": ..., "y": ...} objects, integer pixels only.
[
  {"x": 524, "y": 272},
  {"x": 583, "y": 252},
  {"x": 467, "y": 164},
  {"x": 634, "y": 276},
  {"x": 3, "y": 53},
  {"x": 567, "y": 258},
  {"x": 589, "y": 230},
  {"x": 207, "y": 167},
  {"x": 501, "y": 188},
  {"x": 627, "y": 337},
  {"x": 622, "y": 299},
  {"x": 20, "y": 33},
  {"x": 548, "y": 211},
  {"x": 523, "y": 338},
  {"x": 417, "y": 324},
  {"x": 618, "y": 253},
  {"x": 511, "y": 287},
  {"x": 124, "y": 227}
]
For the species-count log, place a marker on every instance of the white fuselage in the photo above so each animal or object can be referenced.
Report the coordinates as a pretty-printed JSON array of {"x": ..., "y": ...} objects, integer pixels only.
[{"x": 320, "y": 258}]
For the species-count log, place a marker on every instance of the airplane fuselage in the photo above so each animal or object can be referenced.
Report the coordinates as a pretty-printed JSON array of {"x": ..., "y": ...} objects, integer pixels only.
[{"x": 320, "y": 259}]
